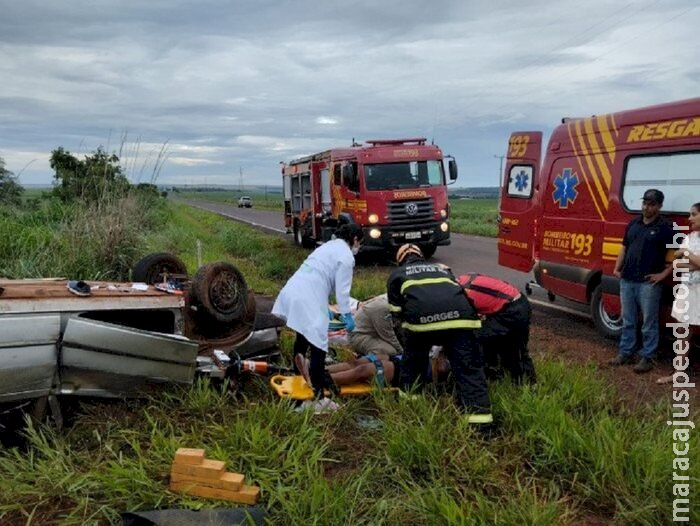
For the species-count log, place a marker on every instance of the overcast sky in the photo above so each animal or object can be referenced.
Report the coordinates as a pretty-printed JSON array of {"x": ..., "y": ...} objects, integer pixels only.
[{"x": 224, "y": 87}]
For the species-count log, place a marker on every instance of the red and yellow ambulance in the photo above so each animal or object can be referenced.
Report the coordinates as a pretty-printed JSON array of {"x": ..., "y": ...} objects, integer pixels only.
[{"x": 563, "y": 214}]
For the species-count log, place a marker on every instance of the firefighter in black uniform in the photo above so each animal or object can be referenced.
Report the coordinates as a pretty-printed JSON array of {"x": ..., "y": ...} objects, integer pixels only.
[
  {"x": 505, "y": 326},
  {"x": 433, "y": 310}
]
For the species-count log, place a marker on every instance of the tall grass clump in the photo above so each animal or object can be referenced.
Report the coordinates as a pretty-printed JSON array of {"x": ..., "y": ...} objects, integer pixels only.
[
  {"x": 614, "y": 461},
  {"x": 78, "y": 239}
]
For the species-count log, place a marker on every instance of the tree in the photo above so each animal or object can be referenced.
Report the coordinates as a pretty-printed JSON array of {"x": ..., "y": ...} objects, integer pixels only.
[
  {"x": 96, "y": 177},
  {"x": 10, "y": 189}
]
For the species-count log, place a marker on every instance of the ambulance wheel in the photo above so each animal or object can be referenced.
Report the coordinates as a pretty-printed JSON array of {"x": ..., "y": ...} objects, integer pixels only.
[
  {"x": 221, "y": 291},
  {"x": 606, "y": 323},
  {"x": 428, "y": 250}
]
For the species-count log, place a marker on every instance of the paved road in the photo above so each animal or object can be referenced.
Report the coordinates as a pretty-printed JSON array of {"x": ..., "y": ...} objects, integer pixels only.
[{"x": 465, "y": 254}]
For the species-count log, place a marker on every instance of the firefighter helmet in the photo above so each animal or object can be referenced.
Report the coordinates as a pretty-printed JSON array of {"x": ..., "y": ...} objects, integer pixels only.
[{"x": 405, "y": 250}]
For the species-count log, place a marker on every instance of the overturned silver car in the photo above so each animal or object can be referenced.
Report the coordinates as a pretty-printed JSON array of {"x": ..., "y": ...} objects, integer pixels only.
[{"x": 125, "y": 339}]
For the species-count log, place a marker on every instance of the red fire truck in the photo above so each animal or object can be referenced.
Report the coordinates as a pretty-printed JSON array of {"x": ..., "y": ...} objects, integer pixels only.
[
  {"x": 564, "y": 215},
  {"x": 394, "y": 189}
]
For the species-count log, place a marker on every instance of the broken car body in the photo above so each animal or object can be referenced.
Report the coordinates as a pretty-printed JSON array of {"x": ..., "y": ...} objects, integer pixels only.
[{"x": 120, "y": 340}]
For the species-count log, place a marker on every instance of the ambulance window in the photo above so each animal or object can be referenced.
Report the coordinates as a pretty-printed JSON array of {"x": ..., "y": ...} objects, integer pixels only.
[
  {"x": 676, "y": 175},
  {"x": 520, "y": 180}
]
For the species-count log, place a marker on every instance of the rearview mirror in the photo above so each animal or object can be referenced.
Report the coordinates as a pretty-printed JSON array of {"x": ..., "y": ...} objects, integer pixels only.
[{"x": 452, "y": 168}]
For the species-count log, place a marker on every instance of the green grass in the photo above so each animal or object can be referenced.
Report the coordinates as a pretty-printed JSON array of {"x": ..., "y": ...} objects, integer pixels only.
[
  {"x": 567, "y": 450},
  {"x": 563, "y": 453},
  {"x": 467, "y": 216},
  {"x": 100, "y": 240},
  {"x": 476, "y": 217}
]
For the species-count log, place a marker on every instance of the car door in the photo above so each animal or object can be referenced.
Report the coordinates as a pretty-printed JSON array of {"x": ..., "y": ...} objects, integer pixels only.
[
  {"x": 28, "y": 355},
  {"x": 520, "y": 202},
  {"x": 104, "y": 359}
]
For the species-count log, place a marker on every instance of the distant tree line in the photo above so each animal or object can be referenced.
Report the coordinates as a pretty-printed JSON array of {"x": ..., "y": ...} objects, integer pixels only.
[{"x": 95, "y": 177}]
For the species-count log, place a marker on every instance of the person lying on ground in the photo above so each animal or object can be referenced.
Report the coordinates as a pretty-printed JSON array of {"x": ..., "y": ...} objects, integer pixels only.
[{"x": 383, "y": 369}]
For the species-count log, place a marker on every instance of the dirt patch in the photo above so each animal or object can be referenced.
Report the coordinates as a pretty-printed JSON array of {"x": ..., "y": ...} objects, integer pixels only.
[
  {"x": 348, "y": 450},
  {"x": 555, "y": 334}
]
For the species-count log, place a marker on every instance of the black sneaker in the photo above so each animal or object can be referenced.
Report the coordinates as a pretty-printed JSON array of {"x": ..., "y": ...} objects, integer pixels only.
[
  {"x": 644, "y": 366},
  {"x": 620, "y": 360}
]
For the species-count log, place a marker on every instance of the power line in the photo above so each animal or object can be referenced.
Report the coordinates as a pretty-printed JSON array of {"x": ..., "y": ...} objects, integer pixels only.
[
  {"x": 596, "y": 58},
  {"x": 543, "y": 60}
]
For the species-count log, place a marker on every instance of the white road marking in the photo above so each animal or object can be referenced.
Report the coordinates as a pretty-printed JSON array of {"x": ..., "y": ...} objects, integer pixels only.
[{"x": 242, "y": 220}]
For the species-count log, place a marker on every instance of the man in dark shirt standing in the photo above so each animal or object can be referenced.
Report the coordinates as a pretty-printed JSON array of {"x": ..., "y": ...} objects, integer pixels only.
[{"x": 641, "y": 267}]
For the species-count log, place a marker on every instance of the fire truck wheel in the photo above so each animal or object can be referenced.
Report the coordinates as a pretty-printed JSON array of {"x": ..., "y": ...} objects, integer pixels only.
[
  {"x": 428, "y": 250},
  {"x": 221, "y": 291},
  {"x": 607, "y": 324},
  {"x": 154, "y": 268},
  {"x": 300, "y": 238}
]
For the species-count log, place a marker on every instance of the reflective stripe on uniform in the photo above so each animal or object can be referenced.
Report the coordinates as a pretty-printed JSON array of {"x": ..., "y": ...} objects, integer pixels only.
[
  {"x": 394, "y": 308},
  {"x": 442, "y": 325},
  {"x": 427, "y": 281},
  {"x": 480, "y": 419}
]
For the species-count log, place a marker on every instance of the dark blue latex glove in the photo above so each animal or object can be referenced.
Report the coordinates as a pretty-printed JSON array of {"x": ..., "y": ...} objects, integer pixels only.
[{"x": 349, "y": 322}]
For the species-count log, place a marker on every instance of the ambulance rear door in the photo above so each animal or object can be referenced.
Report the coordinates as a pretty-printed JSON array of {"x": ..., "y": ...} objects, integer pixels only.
[{"x": 520, "y": 205}]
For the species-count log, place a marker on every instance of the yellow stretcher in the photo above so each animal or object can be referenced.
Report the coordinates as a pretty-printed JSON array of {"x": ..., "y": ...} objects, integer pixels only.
[{"x": 296, "y": 388}]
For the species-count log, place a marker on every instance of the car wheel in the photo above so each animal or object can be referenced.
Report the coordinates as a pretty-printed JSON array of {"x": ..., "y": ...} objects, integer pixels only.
[
  {"x": 155, "y": 268},
  {"x": 221, "y": 291},
  {"x": 606, "y": 323}
]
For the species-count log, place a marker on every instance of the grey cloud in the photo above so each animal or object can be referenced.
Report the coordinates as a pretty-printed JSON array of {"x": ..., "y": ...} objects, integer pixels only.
[{"x": 252, "y": 83}]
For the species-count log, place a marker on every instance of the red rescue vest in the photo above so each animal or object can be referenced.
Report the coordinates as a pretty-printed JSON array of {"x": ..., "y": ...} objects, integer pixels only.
[{"x": 488, "y": 295}]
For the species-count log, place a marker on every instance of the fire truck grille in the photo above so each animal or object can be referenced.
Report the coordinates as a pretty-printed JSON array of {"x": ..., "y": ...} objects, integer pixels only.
[{"x": 414, "y": 212}]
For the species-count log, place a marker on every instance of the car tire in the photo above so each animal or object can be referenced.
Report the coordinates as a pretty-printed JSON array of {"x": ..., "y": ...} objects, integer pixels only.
[
  {"x": 155, "y": 268},
  {"x": 608, "y": 325},
  {"x": 220, "y": 290}
]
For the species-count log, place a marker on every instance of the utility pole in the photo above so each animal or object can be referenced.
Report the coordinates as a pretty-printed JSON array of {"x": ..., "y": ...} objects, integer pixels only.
[{"x": 240, "y": 184}]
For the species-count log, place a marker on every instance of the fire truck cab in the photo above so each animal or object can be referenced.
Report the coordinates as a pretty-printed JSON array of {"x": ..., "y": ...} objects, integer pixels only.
[
  {"x": 564, "y": 215},
  {"x": 395, "y": 189}
]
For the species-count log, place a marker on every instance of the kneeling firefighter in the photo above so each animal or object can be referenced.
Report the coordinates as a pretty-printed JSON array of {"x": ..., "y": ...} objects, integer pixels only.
[
  {"x": 505, "y": 326},
  {"x": 432, "y": 309}
]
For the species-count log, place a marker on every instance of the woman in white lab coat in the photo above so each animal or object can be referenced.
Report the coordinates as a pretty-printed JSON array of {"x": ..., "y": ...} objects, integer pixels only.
[{"x": 303, "y": 301}]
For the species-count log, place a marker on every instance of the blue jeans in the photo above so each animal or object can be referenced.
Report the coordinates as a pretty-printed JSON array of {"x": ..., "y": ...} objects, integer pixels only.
[{"x": 645, "y": 298}]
